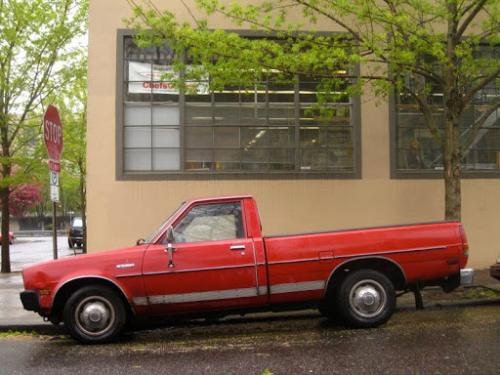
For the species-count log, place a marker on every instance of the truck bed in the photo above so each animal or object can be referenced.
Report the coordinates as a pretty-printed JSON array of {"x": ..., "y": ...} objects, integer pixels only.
[{"x": 422, "y": 252}]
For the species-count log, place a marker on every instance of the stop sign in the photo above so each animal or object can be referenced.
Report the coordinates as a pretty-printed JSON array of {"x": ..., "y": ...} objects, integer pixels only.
[{"x": 53, "y": 135}]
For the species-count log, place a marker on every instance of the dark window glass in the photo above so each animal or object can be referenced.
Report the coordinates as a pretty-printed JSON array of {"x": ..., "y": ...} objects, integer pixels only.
[
  {"x": 415, "y": 146},
  {"x": 151, "y": 112},
  {"x": 271, "y": 126}
]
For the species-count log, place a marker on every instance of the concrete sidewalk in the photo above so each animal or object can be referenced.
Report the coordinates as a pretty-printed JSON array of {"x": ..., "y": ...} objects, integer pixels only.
[{"x": 486, "y": 290}]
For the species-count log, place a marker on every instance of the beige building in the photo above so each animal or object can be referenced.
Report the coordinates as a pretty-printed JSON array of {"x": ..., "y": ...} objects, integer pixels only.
[{"x": 150, "y": 148}]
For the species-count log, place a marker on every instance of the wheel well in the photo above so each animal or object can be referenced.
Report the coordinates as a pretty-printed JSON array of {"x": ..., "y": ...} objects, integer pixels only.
[
  {"x": 69, "y": 288},
  {"x": 385, "y": 266}
]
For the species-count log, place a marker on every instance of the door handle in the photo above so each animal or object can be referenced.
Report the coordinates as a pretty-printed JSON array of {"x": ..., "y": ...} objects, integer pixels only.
[
  {"x": 170, "y": 250},
  {"x": 237, "y": 247}
]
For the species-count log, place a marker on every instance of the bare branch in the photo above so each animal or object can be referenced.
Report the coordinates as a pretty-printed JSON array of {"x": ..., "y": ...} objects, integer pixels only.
[
  {"x": 478, "y": 124},
  {"x": 475, "y": 11},
  {"x": 324, "y": 13},
  {"x": 479, "y": 86},
  {"x": 191, "y": 13},
  {"x": 421, "y": 99}
]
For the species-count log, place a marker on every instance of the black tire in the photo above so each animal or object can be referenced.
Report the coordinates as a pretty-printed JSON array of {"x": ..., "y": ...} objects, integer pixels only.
[
  {"x": 366, "y": 298},
  {"x": 329, "y": 307},
  {"x": 70, "y": 244},
  {"x": 94, "y": 315}
]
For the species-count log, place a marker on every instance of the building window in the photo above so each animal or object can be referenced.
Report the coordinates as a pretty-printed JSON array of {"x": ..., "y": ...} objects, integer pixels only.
[
  {"x": 417, "y": 153},
  {"x": 270, "y": 128},
  {"x": 151, "y": 111}
]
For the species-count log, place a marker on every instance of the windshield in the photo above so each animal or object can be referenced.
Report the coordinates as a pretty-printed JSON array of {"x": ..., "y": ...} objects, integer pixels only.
[{"x": 155, "y": 234}]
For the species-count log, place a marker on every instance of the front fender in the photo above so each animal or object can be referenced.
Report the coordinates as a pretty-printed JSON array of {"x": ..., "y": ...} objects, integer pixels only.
[{"x": 66, "y": 286}]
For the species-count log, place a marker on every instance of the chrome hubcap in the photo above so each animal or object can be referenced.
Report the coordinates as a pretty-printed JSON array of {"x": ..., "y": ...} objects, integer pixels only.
[
  {"x": 94, "y": 315},
  {"x": 367, "y": 298}
]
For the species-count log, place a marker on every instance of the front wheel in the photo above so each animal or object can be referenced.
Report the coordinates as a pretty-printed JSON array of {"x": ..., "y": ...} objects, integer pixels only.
[
  {"x": 94, "y": 315},
  {"x": 366, "y": 298}
]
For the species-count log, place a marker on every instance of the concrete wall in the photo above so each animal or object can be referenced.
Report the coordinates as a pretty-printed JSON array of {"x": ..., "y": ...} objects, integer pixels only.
[{"x": 119, "y": 212}]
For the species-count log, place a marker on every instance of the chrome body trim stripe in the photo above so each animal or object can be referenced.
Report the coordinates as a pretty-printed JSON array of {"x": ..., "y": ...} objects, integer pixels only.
[
  {"x": 141, "y": 301},
  {"x": 389, "y": 252},
  {"x": 297, "y": 287},
  {"x": 383, "y": 252},
  {"x": 272, "y": 263},
  {"x": 199, "y": 269},
  {"x": 215, "y": 295},
  {"x": 202, "y": 296}
]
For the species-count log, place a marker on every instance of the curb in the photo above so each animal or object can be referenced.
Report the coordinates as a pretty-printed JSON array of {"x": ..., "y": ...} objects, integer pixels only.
[
  {"x": 453, "y": 304},
  {"x": 41, "y": 329},
  {"x": 50, "y": 329}
]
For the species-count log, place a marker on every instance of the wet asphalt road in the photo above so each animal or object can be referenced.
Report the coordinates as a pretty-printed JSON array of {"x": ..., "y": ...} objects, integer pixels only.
[
  {"x": 434, "y": 341},
  {"x": 29, "y": 250}
]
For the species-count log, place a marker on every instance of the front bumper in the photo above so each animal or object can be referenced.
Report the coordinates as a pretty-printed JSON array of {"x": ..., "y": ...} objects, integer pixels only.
[
  {"x": 30, "y": 300},
  {"x": 466, "y": 276}
]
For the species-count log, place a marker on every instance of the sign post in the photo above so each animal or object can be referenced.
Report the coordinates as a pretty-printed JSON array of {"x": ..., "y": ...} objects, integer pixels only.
[{"x": 53, "y": 137}]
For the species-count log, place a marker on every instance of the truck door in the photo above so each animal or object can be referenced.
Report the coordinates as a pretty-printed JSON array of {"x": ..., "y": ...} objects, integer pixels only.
[{"x": 212, "y": 266}]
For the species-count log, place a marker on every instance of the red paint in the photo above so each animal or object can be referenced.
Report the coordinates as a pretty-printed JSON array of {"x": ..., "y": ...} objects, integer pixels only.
[
  {"x": 53, "y": 136},
  {"x": 207, "y": 270}
]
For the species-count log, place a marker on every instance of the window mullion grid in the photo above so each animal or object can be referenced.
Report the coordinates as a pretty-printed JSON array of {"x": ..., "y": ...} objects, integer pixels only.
[
  {"x": 268, "y": 164},
  {"x": 183, "y": 146},
  {"x": 212, "y": 106},
  {"x": 240, "y": 115},
  {"x": 297, "y": 123},
  {"x": 151, "y": 167},
  {"x": 182, "y": 119},
  {"x": 125, "y": 80}
]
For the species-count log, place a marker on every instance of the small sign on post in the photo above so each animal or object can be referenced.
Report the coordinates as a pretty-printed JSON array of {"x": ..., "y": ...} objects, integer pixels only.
[
  {"x": 54, "y": 186},
  {"x": 53, "y": 137}
]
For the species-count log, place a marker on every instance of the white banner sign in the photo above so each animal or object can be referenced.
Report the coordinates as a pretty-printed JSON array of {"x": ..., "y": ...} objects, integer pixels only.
[{"x": 148, "y": 76}]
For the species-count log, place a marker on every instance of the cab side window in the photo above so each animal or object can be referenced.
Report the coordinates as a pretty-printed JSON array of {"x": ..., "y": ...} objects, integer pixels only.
[{"x": 211, "y": 222}]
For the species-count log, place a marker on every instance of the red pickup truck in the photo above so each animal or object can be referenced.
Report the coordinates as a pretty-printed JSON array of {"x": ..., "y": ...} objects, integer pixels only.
[{"x": 210, "y": 257}]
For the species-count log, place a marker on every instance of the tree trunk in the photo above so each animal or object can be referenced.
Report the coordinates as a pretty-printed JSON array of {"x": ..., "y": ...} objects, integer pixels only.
[
  {"x": 4, "y": 199},
  {"x": 452, "y": 171},
  {"x": 83, "y": 205},
  {"x": 453, "y": 109}
]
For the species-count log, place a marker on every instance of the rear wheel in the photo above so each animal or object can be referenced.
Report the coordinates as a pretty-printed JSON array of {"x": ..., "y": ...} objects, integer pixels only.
[
  {"x": 366, "y": 298},
  {"x": 94, "y": 315}
]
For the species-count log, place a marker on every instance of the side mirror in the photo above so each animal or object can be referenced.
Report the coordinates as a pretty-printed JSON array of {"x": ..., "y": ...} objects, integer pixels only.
[
  {"x": 170, "y": 235},
  {"x": 140, "y": 241}
]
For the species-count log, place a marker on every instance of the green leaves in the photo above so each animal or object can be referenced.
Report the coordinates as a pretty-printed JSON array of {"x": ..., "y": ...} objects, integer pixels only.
[
  {"x": 38, "y": 51},
  {"x": 434, "y": 52}
]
